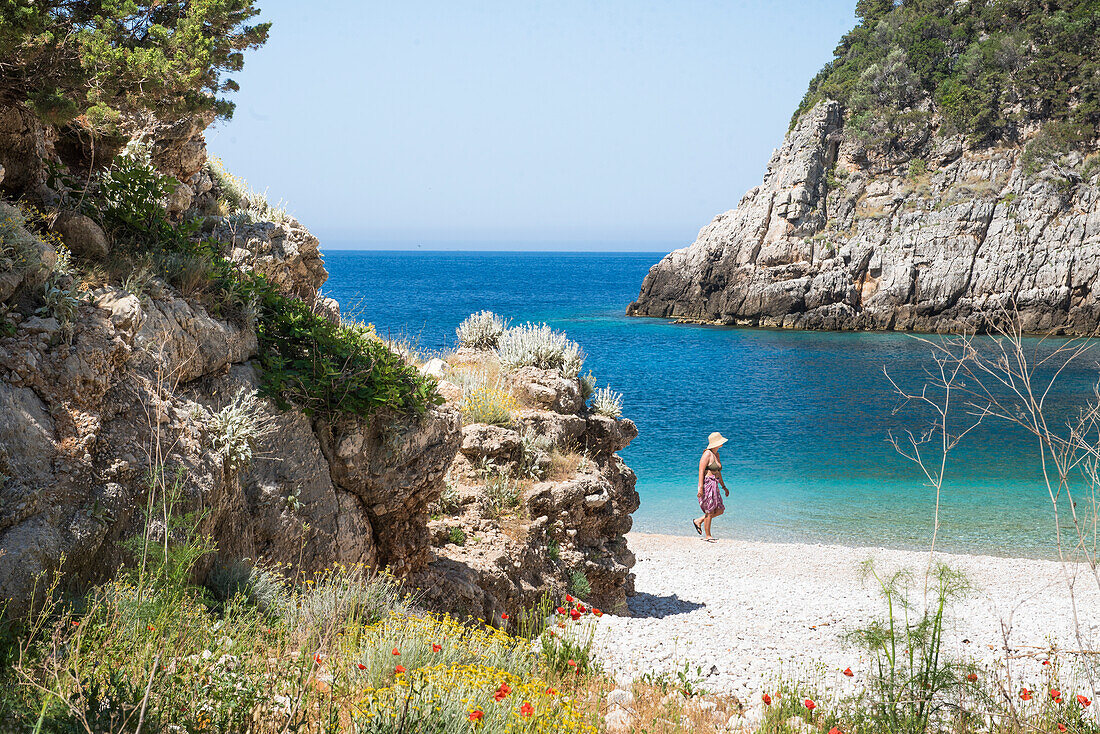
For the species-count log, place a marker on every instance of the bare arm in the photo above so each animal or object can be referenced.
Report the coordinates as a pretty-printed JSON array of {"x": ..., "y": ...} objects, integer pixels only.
[{"x": 703, "y": 462}]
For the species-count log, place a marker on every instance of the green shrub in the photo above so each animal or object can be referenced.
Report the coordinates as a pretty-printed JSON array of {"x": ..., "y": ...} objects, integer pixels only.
[
  {"x": 969, "y": 62},
  {"x": 913, "y": 679},
  {"x": 94, "y": 60},
  {"x": 456, "y": 535},
  {"x": 327, "y": 368},
  {"x": 255, "y": 585},
  {"x": 535, "y": 450},
  {"x": 579, "y": 585},
  {"x": 588, "y": 385},
  {"x": 481, "y": 330}
]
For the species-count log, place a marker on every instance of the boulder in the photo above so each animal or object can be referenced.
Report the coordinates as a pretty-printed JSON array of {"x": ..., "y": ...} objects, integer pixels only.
[
  {"x": 481, "y": 442},
  {"x": 547, "y": 389},
  {"x": 82, "y": 235}
]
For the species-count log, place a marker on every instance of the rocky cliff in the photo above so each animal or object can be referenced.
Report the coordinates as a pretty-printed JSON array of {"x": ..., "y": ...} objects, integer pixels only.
[
  {"x": 834, "y": 240},
  {"x": 540, "y": 505},
  {"x": 124, "y": 393}
]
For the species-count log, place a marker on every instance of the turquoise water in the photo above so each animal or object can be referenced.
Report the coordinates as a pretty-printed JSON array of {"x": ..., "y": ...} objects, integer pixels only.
[{"x": 807, "y": 413}]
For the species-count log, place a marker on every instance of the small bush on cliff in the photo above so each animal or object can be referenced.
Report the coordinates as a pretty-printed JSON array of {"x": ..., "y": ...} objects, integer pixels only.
[
  {"x": 537, "y": 345},
  {"x": 608, "y": 402},
  {"x": 237, "y": 429},
  {"x": 481, "y": 330},
  {"x": 489, "y": 403}
]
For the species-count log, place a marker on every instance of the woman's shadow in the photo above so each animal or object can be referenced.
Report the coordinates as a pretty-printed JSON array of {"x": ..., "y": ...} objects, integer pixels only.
[{"x": 650, "y": 606}]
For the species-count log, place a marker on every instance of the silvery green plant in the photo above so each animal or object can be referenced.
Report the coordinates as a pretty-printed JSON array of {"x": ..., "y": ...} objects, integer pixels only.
[
  {"x": 238, "y": 427},
  {"x": 467, "y": 379},
  {"x": 607, "y": 402},
  {"x": 588, "y": 385},
  {"x": 261, "y": 587},
  {"x": 537, "y": 345},
  {"x": 60, "y": 300},
  {"x": 481, "y": 330},
  {"x": 535, "y": 454}
]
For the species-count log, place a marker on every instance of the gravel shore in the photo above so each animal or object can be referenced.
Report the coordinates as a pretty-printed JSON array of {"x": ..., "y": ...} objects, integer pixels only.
[{"x": 747, "y": 612}]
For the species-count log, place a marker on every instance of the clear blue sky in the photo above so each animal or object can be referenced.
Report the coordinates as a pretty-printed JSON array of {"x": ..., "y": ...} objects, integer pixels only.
[{"x": 520, "y": 125}]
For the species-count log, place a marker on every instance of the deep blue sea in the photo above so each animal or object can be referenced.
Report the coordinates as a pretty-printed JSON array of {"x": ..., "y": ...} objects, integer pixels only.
[{"x": 808, "y": 414}]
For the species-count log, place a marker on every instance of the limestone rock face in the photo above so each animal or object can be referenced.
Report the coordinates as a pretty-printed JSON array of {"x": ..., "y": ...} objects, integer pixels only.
[
  {"x": 535, "y": 506},
  {"x": 395, "y": 469},
  {"x": 85, "y": 416},
  {"x": 285, "y": 253},
  {"x": 834, "y": 240},
  {"x": 24, "y": 144}
]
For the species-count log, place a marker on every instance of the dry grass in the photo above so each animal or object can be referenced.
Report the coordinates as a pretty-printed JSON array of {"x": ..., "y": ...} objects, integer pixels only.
[
  {"x": 564, "y": 464},
  {"x": 660, "y": 707}
]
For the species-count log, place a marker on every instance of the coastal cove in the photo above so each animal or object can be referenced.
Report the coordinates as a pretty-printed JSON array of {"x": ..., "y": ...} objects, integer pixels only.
[{"x": 808, "y": 413}]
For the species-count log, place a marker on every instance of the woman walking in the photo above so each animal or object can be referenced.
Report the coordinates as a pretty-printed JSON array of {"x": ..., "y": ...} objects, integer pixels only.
[{"x": 710, "y": 476}]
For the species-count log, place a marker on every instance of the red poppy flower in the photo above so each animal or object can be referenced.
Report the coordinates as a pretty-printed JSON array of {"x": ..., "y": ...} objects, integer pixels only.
[
  {"x": 317, "y": 659},
  {"x": 572, "y": 663},
  {"x": 361, "y": 666},
  {"x": 569, "y": 598},
  {"x": 1083, "y": 701},
  {"x": 848, "y": 672},
  {"x": 581, "y": 609},
  {"x": 476, "y": 715},
  {"x": 396, "y": 651},
  {"x": 835, "y": 730},
  {"x": 399, "y": 669},
  {"x": 1056, "y": 695},
  {"x": 504, "y": 617},
  {"x": 972, "y": 677},
  {"x": 150, "y": 627},
  {"x": 550, "y": 692},
  {"x": 75, "y": 623},
  {"x": 809, "y": 704},
  {"x": 766, "y": 699},
  {"x": 1061, "y": 727},
  {"x": 575, "y": 615},
  {"x": 526, "y": 709},
  {"x": 1025, "y": 694},
  {"x": 560, "y": 610},
  {"x": 597, "y": 612},
  {"x": 1046, "y": 662},
  {"x": 436, "y": 648},
  {"x": 502, "y": 692}
]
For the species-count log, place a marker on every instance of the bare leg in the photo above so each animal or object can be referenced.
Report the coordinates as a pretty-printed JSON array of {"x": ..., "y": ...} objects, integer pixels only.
[{"x": 706, "y": 525}]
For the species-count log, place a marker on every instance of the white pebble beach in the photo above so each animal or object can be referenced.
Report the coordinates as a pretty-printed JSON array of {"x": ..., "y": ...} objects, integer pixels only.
[{"x": 747, "y": 612}]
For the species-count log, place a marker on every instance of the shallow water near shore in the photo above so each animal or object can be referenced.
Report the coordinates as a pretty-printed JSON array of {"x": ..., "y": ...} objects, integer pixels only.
[{"x": 808, "y": 414}]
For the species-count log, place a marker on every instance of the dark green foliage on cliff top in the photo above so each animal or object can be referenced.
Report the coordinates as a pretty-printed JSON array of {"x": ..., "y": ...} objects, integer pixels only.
[
  {"x": 983, "y": 65},
  {"x": 100, "y": 58},
  {"x": 323, "y": 367},
  {"x": 326, "y": 368}
]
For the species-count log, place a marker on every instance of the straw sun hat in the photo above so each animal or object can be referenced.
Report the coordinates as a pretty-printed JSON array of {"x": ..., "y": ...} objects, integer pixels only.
[{"x": 716, "y": 440}]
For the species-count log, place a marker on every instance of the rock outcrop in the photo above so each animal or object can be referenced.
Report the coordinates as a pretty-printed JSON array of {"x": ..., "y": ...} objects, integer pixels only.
[
  {"x": 540, "y": 506},
  {"x": 107, "y": 418},
  {"x": 109, "y": 398},
  {"x": 835, "y": 238}
]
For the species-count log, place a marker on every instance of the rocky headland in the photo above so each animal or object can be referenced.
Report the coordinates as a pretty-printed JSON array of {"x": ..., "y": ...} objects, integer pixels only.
[
  {"x": 135, "y": 386},
  {"x": 914, "y": 195}
]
